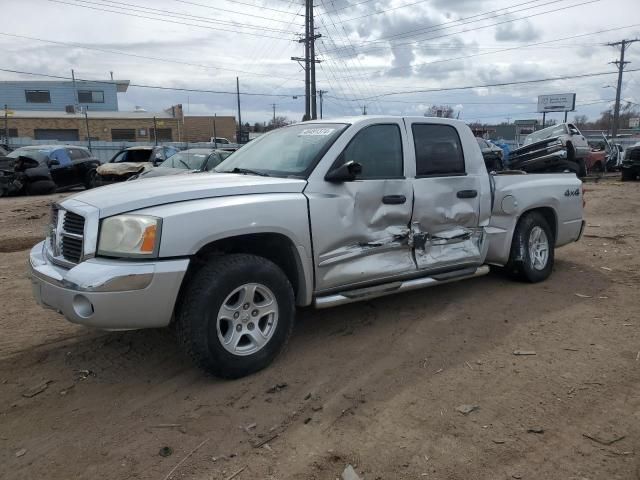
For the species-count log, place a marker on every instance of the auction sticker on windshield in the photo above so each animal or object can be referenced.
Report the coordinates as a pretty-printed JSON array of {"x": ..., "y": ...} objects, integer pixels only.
[{"x": 316, "y": 131}]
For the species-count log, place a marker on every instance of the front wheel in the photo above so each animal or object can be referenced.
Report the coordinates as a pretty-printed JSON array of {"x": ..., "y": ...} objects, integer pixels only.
[
  {"x": 532, "y": 249},
  {"x": 90, "y": 179},
  {"x": 236, "y": 315}
]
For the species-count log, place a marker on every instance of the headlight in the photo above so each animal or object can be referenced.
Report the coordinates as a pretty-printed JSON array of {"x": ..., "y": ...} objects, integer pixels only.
[{"x": 130, "y": 236}]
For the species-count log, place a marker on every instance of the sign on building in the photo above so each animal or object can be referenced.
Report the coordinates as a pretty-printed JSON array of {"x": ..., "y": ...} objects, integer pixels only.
[{"x": 560, "y": 102}]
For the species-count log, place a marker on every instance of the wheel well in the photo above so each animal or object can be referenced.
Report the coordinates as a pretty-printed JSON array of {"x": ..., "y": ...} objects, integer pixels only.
[
  {"x": 549, "y": 215},
  {"x": 273, "y": 246}
]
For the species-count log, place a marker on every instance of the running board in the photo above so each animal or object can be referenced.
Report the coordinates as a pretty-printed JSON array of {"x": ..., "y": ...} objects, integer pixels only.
[{"x": 368, "y": 293}]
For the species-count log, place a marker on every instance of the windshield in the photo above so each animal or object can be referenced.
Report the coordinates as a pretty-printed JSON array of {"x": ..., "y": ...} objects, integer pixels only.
[
  {"x": 288, "y": 151},
  {"x": 39, "y": 155},
  {"x": 545, "y": 133},
  {"x": 186, "y": 160}
]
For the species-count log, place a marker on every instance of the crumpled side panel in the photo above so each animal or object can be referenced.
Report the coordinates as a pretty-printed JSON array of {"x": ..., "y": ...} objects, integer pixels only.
[
  {"x": 447, "y": 225},
  {"x": 356, "y": 236}
]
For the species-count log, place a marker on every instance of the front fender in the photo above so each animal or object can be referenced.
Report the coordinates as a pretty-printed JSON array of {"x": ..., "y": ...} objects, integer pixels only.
[{"x": 189, "y": 226}]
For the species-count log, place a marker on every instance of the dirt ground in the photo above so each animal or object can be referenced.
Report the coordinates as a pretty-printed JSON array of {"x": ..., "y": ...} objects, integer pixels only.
[{"x": 375, "y": 385}]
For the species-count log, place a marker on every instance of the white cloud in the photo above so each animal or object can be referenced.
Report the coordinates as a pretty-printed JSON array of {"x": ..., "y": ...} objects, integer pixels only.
[{"x": 263, "y": 63}]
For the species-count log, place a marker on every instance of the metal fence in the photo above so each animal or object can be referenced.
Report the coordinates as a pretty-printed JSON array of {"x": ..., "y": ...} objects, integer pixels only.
[{"x": 104, "y": 151}]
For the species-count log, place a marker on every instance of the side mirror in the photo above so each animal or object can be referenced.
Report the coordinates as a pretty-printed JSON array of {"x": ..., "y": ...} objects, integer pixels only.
[
  {"x": 347, "y": 172},
  {"x": 53, "y": 162}
]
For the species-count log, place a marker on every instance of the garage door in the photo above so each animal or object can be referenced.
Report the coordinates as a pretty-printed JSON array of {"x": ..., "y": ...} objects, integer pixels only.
[{"x": 66, "y": 135}]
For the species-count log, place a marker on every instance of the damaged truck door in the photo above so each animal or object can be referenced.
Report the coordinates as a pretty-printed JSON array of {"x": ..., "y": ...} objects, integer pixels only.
[
  {"x": 450, "y": 208},
  {"x": 367, "y": 236}
]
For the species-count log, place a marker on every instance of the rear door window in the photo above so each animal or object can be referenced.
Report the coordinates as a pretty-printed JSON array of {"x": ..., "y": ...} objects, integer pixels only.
[
  {"x": 438, "y": 150},
  {"x": 78, "y": 153}
]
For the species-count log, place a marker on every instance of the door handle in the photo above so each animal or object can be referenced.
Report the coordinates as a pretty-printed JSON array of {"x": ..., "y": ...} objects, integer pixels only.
[
  {"x": 394, "y": 199},
  {"x": 467, "y": 194}
]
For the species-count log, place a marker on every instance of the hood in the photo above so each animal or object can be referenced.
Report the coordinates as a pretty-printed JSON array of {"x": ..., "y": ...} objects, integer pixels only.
[
  {"x": 163, "y": 172},
  {"x": 122, "y": 168},
  {"x": 138, "y": 194}
]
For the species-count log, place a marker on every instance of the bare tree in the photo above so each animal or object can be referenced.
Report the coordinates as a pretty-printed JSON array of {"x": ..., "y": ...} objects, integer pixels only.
[
  {"x": 442, "y": 111},
  {"x": 580, "y": 120},
  {"x": 279, "y": 122}
]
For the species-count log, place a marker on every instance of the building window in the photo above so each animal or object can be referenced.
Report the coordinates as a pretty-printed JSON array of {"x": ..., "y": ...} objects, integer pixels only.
[
  {"x": 164, "y": 134},
  {"x": 13, "y": 132},
  {"x": 90, "y": 96},
  {"x": 123, "y": 134},
  {"x": 37, "y": 96}
]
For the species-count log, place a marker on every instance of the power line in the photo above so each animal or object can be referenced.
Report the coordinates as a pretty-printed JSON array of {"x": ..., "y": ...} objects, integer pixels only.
[
  {"x": 127, "y": 7},
  {"x": 135, "y": 55},
  {"x": 402, "y": 67},
  {"x": 218, "y": 9},
  {"x": 413, "y": 42},
  {"x": 502, "y": 84},
  {"x": 165, "y": 20},
  {"x": 378, "y": 12},
  {"x": 155, "y": 87},
  {"x": 621, "y": 63},
  {"x": 261, "y": 7}
]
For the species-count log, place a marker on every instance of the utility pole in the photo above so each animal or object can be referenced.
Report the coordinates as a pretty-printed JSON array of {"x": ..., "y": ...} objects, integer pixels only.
[
  {"x": 274, "y": 114},
  {"x": 321, "y": 93},
  {"x": 155, "y": 131},
  {"x": 75, "y": 90},
  {"x": 364, "y": 110},
  {"x": 239, "y": 134},
  {"x": 6, "y": 124},
  {"x": 624, "y": 44},
  {"x": 310, "y": 109},
  {"x": 312, "y": 55},
  {"x": 215, "y": 136},
  {"x": 86, "y": 122}
]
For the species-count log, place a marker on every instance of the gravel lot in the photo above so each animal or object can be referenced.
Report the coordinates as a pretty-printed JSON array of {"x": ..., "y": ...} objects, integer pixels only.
[{"x": 376, "y": 385}]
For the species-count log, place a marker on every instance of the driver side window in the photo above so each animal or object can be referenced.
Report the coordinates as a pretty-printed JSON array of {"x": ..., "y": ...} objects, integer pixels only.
[{"x": 378, "y": 148}]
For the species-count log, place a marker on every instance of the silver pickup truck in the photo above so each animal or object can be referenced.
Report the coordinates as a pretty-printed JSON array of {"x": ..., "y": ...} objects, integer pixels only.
[{"x": 317, "y": 214}]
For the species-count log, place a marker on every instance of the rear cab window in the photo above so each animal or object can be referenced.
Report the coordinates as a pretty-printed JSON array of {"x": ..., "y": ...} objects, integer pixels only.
[{"x": 438, "y": 150}]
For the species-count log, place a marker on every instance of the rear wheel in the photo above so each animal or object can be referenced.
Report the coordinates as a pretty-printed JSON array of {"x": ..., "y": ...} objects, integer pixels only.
[
  {"x": 40, "y": 187},
  {"x": 627, "y": 174},
  {"x": 236, "y": 315},
  {"x": 532, "y": 249}
]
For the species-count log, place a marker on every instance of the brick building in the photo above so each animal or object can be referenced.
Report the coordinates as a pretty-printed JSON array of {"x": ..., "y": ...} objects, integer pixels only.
[{"x": 138, "y": 126}]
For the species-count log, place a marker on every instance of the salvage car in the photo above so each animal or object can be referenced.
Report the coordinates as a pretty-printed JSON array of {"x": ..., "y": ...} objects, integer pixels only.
[
  {"x": 492, "y": 155},
  {"x": 319, "y": 213},
  {"x": 553, "y": 149},
  {"x": 130, "y": 162},
  {"x": 65, "y": 166},
  {"x": 187, "y": 161},
  {"x": 24, "y": 176},
  {"x": 630, "y": 167}
]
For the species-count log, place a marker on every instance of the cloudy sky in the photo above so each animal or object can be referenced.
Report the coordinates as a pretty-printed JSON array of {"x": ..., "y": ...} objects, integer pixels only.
[{"x": 373, "y": 52}]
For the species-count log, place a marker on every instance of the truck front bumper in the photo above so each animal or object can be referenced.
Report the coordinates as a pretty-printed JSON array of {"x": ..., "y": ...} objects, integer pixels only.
[{"x": 108, "y": 294}]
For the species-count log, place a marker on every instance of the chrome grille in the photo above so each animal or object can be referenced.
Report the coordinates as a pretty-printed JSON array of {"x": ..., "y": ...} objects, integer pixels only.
[
  {"x": 66, "y": 239},
  {"x": 73, "y": 223}
]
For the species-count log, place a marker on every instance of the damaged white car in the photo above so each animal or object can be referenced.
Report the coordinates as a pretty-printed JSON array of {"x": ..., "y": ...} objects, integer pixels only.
[{"x": 317, "y": 214}]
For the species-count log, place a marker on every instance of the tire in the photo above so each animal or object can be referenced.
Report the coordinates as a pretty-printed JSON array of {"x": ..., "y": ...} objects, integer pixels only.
[
  {"x": 40, "y": 187},
  {"x": 528, "y": 232},
  {"x": 90, "y": 179},
  {"x": 581, "y": 172},
  {"x": 627, "y": 175},
  {"x": 213, "y": 309}
]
